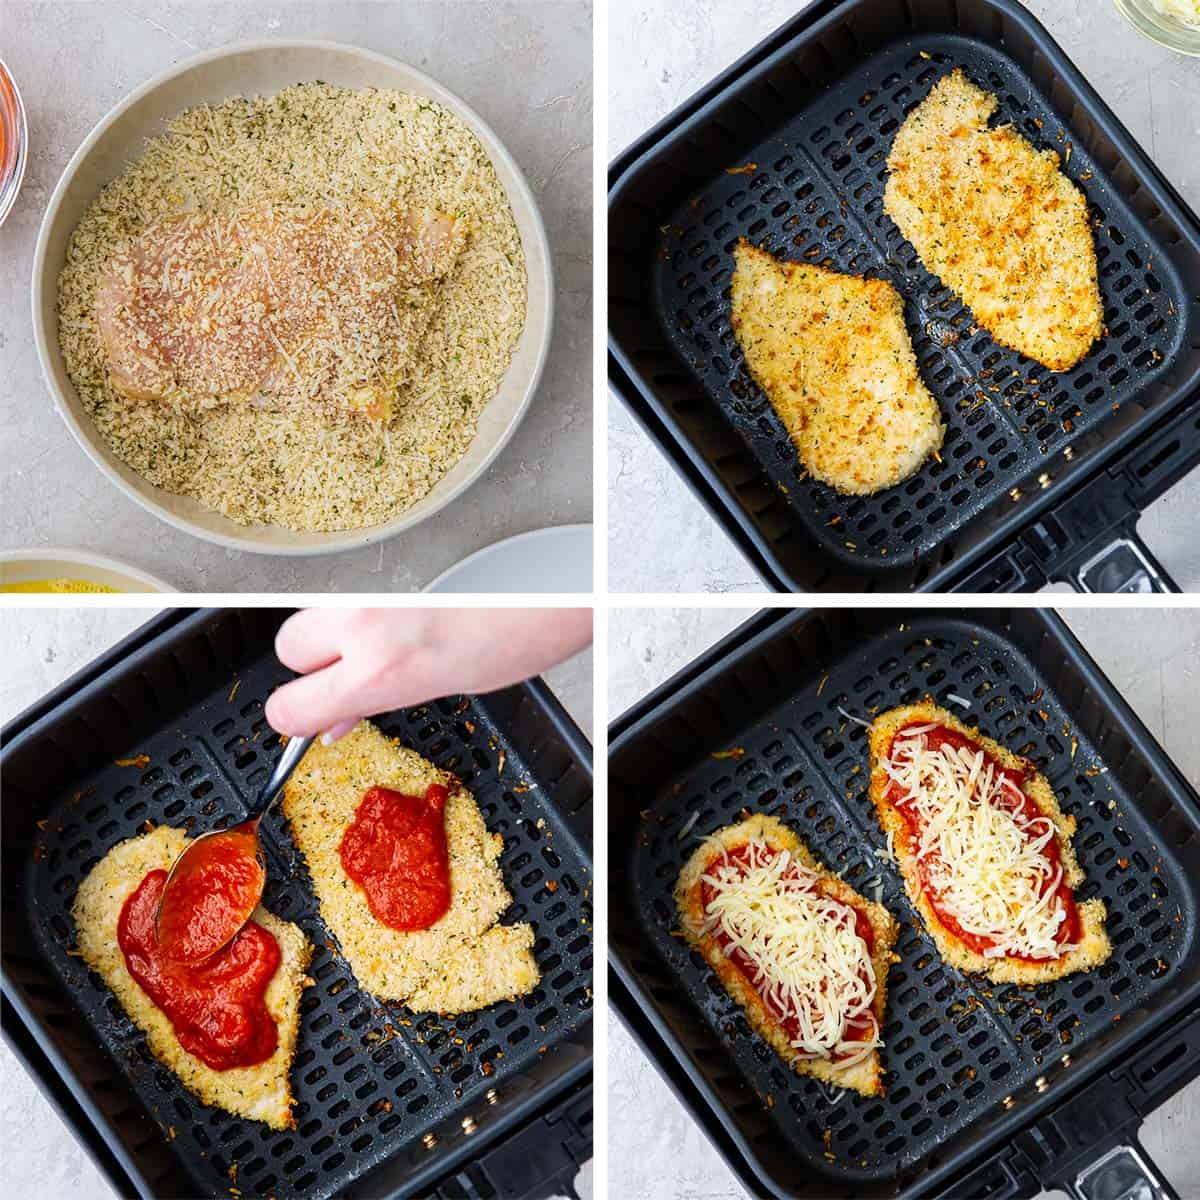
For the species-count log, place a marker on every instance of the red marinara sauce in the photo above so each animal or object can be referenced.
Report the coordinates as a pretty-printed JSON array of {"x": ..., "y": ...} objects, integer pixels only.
[
  {"x": 217, "y": 1008},
  {"x": 940, "y": 737},
  {"x": 740, "y": 857},
  {"x": 213, "y": 889},
  {"x": 395, "y": 850}
]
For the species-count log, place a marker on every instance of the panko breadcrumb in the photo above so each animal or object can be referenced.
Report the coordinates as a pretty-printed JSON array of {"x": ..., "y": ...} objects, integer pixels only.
[
  {"x": 833, "y": 356},
  {"x": 998, "y": 222},
  {"x": 262, "y": 1092},
  {"x": 464, "y": 961},
  {"x": 497, "y": 965},
  {"x": 310, "y": 144}
]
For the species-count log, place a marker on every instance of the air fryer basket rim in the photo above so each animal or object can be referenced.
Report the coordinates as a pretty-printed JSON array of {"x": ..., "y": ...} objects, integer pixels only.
[
  {"x": 25, "y": 1031},
  {"x": 628, "y": 1006},
  {"x": 631, "y": 1012},
  {"x": 754, "y": 633},
  {"x": 47, "y": 1068},
  {"x": 971, "y": 549},
  {"x": 21, "y": 1030}
]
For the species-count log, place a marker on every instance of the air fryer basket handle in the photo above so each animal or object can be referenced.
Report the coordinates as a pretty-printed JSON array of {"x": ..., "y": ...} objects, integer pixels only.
[
  {"x": 1088, "y": 1146},
  {"x": 536, "y": 1161},
  {"x": 1124, "y": 564},
  {"x": 1058, "y": 1157},
  {"x": 1123, "y": 1172}
]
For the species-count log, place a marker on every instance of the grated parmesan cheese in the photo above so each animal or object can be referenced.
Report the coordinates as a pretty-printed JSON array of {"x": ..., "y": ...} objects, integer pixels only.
[
  {"x": 689, "y": 826},
  {"x": 851, "y": 717}
]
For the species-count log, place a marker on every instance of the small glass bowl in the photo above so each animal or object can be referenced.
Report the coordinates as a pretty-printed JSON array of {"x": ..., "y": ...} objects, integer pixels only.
[
  {"x": 1158, "y": 27},
  {"x": 14, "y": 141}
]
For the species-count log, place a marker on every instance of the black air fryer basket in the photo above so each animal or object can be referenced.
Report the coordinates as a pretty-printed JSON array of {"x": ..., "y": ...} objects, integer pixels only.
[
  {"x": 1042, "y": 475},
  {"x": 992, "y": 1090},
  {"x": 168, "y": 727}
]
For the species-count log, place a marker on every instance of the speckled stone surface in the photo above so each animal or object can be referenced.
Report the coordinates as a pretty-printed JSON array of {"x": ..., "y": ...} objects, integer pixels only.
[
  {"x": 74, "y": 61},
  {"x": 39, "y": 1157},
  {"x": 656, "y": 1151},
  {"x": 660, "y": 538}
]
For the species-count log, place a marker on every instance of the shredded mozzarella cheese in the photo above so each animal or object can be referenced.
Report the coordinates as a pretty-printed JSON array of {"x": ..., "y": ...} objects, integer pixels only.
[
  {"x": 982, "y": 854},
  {"x": 689, "y": 826},
  {"x": 809, "y": 962},
  {"x": 851, "y": 717}
]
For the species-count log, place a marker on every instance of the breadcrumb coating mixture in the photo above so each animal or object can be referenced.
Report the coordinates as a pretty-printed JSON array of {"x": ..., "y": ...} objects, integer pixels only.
[
  {"x": 833, "y": 356},
  {"x": 310, "y": 147},
  {"x": 998, "y": 222},
  {"x": 464, "y": 961}
]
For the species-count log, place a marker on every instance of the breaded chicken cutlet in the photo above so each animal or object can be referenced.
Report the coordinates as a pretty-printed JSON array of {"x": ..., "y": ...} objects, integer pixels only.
[
  {"x": 997, "y": 222},
  {"x": 832, "y": 354},
  {"x": 984, "y": 848},
  {"x": 464, "y": 961},
  {"x": 261, "y": 1092},
  {"x": 799, "y": 949},
  {"x": 275, "y": 304}
]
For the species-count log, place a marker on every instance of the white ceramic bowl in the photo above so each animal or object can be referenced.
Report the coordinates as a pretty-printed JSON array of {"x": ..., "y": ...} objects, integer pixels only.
[
  {"x": 23, "y": 566},
  {"x": 262, "y": 68}
]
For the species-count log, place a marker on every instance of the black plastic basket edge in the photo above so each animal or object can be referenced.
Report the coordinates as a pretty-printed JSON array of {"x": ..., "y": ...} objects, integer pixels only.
[
  {"x": 635, "y": 1021},
  {"x": 51, "y": 1075},
  {"x": 56, "y": 1080},
  {"x": 697, "y": 482},
  {"x": 1007, "y": 1165},
  {"x": 654, "y": 1035},
  {"x": 59, "y": 1083},
  {"x": 713, "y": 492}
]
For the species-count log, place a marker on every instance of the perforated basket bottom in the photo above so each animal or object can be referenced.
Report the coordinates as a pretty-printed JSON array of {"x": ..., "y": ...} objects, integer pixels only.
[
  {"x": 813, "y": 192},
  {"x": 370, "y": 1079},
  {"x": 954, "y": 1046}
]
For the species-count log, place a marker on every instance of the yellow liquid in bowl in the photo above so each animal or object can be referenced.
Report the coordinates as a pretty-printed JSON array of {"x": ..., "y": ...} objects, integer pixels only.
[{"x": 55, "y": 585}]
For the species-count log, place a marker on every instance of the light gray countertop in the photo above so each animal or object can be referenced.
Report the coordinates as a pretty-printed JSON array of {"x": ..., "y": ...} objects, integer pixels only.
[
  {"x": 39, "y": 1158},
  {"x": 660, "y": 538},
  {"x": 656, "y": 1151},
  {"x": 524, "y": 65}
]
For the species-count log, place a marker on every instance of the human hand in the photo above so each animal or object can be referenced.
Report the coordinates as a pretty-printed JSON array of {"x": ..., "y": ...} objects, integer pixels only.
[{"x": 356, "y": 662}]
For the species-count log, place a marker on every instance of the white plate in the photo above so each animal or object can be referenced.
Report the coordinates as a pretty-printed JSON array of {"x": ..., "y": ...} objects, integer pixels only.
[
  {"x": 20, "y": 566},
  {"x": 558, "y": 559},
  {"x": 263, "y": 68}
]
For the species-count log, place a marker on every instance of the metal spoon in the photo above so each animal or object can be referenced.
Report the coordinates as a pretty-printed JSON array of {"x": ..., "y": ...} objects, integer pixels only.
[{"x": 208, "y": 931}]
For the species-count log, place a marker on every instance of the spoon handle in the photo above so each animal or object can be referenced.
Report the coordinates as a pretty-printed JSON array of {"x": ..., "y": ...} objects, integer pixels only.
[{"x": 293, "y": 752}]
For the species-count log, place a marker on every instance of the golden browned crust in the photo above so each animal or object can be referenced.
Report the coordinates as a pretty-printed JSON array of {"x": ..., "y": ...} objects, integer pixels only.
[
  {"x": 864, "y": 1077},
  {"x": 998, "y": 222},
  {"x": 833, "y": 356},
  {"x": 1093, "y": 948},
  {"x": 498, "y": 965},
  {"x": 261, "y": 1092}
]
